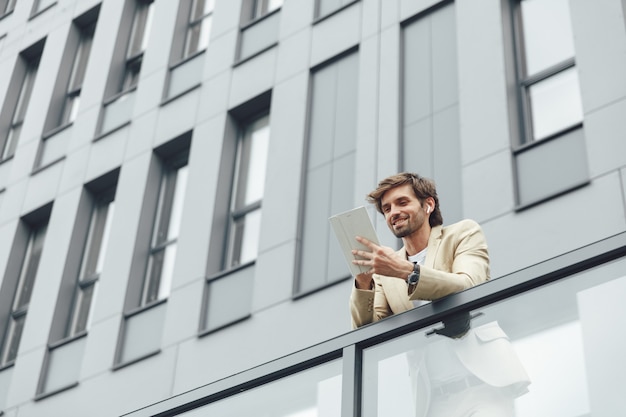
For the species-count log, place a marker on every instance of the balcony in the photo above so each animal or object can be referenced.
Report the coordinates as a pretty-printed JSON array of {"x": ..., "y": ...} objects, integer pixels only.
[{"x": 544, "y": 341}]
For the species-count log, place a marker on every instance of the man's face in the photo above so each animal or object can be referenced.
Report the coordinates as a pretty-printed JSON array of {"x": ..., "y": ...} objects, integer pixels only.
[{"x": 403, "y": 211}]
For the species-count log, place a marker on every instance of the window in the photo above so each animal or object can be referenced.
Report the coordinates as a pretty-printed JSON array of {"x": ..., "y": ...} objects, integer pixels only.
[
  {"x": 77, "y": 74},
  {"x": 550, "y": 103},
  {"x": 259, "y": 8},
  {"x": 130, "y": 46},
  {"x": 165, "y": 230},
  {"x": 41, "y": 5},
  {"x": 83, "y": 267},
  {"x": 7, "y": 6},
  {"x": 152, "y": 269},
  {"x": 548, "y": 76},
  {"x": 190, "y": 40},
  {"x": 17, "y": 98},
  {"x": 66, "y": 98},
  {"x": 260, "y": 27},
  {"x": 247, "y": 192},
  {"x": 142, "y": 23},
  {"x": 199, "y": 29},
  {"x": 329, "y": 172},
  {"x": 236, "y": 229},
  {"x": 65, "y": 101},
  {"x": 19, "y": 282},
  {"x": 326, "y": 7},
  {"x": 96, "y": 240}
]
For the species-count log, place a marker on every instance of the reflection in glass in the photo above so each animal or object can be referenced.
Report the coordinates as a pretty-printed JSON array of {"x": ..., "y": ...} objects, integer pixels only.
[
  {"x": 444, "y": 376},
  {"x": 548, "y": 37},
  {"x": 556, "y": 103},
  {"x": 315, "y": 392},
  {"x": 565, "y": 337}
]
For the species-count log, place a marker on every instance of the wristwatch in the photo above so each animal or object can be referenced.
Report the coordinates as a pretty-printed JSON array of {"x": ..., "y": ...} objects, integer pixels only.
[{"x": 413, "y": 277}]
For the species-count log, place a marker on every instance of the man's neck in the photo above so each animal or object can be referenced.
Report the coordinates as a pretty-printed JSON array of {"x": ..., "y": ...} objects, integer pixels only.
[{"x": 417, "y": 241}]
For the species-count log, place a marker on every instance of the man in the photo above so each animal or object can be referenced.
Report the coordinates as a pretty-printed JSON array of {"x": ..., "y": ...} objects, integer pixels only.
[
  {"x": 435, "y": 261},
  {"x": 473, "y": 372}
]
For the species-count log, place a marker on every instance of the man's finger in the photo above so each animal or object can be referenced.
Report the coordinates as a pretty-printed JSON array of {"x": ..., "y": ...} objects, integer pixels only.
[{"x": 366, "y": 242}]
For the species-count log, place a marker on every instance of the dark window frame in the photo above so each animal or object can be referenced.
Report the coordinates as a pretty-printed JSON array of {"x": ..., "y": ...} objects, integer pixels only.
[{"x": 19, "y": 282}]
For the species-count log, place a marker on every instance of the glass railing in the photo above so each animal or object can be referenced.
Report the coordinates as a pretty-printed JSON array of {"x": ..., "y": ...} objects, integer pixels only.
[{"x": 545, "y": 341}]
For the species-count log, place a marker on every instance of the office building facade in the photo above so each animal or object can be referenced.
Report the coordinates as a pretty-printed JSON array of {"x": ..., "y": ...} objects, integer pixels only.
[{"x": 168, "y": 169}]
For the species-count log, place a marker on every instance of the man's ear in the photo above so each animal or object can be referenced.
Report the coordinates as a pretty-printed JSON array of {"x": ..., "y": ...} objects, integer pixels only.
[{"x": 429, "y": 202}]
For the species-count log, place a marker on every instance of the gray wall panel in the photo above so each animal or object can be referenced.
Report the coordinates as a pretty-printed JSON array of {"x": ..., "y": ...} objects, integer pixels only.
[
  {"x": 485, "y": 195},
  {"x": 558, "y": 226},
  {"x": 604, "y": 133},
  {"x": 600, "y": 43},
  {"x": 482, "y": 85},
  {"x": 335, "y": 34},
  {"x": 288, "y": 120}
]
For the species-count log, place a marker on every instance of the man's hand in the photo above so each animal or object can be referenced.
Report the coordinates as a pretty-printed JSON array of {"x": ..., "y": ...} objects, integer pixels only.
[
  {"x": 364, "y": 281},
  {"x": 382, "y": 260}
]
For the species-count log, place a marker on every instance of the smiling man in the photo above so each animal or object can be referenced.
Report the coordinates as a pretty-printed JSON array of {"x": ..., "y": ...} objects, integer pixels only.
[{"x": 435, "y": 260}]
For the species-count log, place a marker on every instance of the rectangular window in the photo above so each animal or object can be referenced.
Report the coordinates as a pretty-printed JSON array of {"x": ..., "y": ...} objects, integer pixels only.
[
  {"x": 83, "y": 267},
  {"x": 550, "y": 102},
  {"x": 260, "y": 27},
  {"x": 92, "y": 259},
  {"x": 17, "y": 99},
  {"x": 330, "y": 170},
  {"x": 247, "y": 192},
  {"x": 77, "y": 74},
  {"x": 139, "y": 34},
  {"x": 259, "y": 8},
  {"x": 130, "y": 46},
  {"x": 326, "y": 7},
  {"x": 7, "y": 6},
  {"x": 548, "y": 78},
  {"x": 199, "y": 27},
  {"x": 190, "y": 40},
  {"x": 41, "y": 5},
  {"x": 236, "y": 228},
  {"x": 152, "y": 269},
  {"x": 65, "y": 101},
  {"x": 165, "y": 229},
  {"x": 19, "y": 282}
]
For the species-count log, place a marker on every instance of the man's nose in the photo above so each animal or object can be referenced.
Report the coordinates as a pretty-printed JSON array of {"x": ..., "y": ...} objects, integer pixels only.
[{"x": 393, "y": 210}]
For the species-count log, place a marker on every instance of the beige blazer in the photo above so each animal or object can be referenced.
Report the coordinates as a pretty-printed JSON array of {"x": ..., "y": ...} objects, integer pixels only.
[{"x": 457, "y": 259}]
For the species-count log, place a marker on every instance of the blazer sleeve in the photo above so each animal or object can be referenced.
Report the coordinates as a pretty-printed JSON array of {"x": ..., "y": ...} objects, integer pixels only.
[
  {"x": 368, "y": 306},
  {"x": 461, "y": 262}
]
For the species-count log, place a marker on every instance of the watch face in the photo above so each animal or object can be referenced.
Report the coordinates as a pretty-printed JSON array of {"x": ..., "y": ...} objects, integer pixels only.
[{"x": 413, "y": 278}]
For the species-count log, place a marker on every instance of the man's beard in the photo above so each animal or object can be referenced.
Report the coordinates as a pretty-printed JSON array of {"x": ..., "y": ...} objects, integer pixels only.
[{"x": 407, "y": 229}]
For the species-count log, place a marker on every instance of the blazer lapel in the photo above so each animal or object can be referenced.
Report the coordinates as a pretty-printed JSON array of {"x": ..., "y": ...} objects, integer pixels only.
[
  {"x": 434, "y": 242},
  {"x": 396, "y": 289}
]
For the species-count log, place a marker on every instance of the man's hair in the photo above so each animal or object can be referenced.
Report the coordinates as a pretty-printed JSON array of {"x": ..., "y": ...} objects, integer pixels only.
[{"x": 422, "y": 187}]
